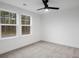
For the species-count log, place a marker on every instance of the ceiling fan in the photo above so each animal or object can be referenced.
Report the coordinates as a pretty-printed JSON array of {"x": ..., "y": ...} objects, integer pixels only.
[{"x": 47, "y": 7}]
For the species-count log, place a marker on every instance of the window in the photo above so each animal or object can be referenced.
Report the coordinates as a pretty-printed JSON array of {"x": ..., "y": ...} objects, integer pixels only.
[
  {"x": 7, "y": 23},
  {"x": 8, "y": 31},
  {"x": 25, "y": 22}
]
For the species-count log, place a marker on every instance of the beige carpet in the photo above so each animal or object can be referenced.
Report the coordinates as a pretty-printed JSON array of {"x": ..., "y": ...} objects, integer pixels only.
[{"x": 43, "y": 50}]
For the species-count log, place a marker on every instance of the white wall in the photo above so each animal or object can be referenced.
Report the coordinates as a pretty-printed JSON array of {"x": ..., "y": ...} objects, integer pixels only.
[
  {"x": 62, "y": 27},
  {"x": 19, "y": 41}
]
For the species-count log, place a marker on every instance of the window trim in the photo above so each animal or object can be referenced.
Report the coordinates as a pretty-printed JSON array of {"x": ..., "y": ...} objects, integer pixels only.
[
  {"x": 18, "y": 25},
  {"x": 26, "y": 25},
  {"x": 10, "y": 11}
]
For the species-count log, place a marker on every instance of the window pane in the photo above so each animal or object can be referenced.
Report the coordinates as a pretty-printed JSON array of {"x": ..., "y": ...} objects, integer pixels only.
[
  {"x": 7, "y": 20},
  {"x": 12, "y": 18},
  {"x": 4, "y": 17},
  {"x": 2, "y": 20},
  {"x": 28, "y": 22},
  {"x": 7, "y": 17},
  {"x": 4, "y": 14},
  {"x": 7, "y": 31},
  {"x": 25, "y": 29},
  {"x": 25, "y": 20}
]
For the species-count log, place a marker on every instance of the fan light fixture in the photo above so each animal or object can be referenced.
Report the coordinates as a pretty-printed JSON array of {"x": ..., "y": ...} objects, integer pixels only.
[
  {"x": 46, "y": 7},
  {"x": 46, "y": 10}
]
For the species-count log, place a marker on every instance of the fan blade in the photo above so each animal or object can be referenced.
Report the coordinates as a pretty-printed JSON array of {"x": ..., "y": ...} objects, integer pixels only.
[
  {"x": 53, "y": 8},
  {"x": 40, "y": 8}
]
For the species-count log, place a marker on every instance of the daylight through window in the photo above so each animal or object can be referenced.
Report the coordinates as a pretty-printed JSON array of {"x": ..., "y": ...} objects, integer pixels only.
[
  {"x": 25, "y": 22},
  {"x": 8, "y": 24}
]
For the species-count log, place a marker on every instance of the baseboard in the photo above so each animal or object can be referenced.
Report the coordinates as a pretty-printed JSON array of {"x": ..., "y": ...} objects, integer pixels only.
[{"x": 60, "y": 44}]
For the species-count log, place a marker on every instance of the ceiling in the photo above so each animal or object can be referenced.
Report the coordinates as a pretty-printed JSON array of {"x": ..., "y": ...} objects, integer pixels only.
[{"x": 33, "y": 5}]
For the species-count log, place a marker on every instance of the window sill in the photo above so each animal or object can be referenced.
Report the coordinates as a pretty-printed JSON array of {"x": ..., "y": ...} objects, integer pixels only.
[
  {"x": 26, "y": 35},
  {"x": 5, "y": 38}
]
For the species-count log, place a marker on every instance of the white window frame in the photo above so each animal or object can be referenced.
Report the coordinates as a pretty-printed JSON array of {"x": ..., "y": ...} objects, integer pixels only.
[
  {"x": 26, "y": 25},
  {"x": 18, "y": 25},
  {"x": 2, "y": 38}
]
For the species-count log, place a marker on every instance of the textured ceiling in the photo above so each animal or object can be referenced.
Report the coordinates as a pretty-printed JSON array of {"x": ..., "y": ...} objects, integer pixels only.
[{"x": 33, "y": 5}]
